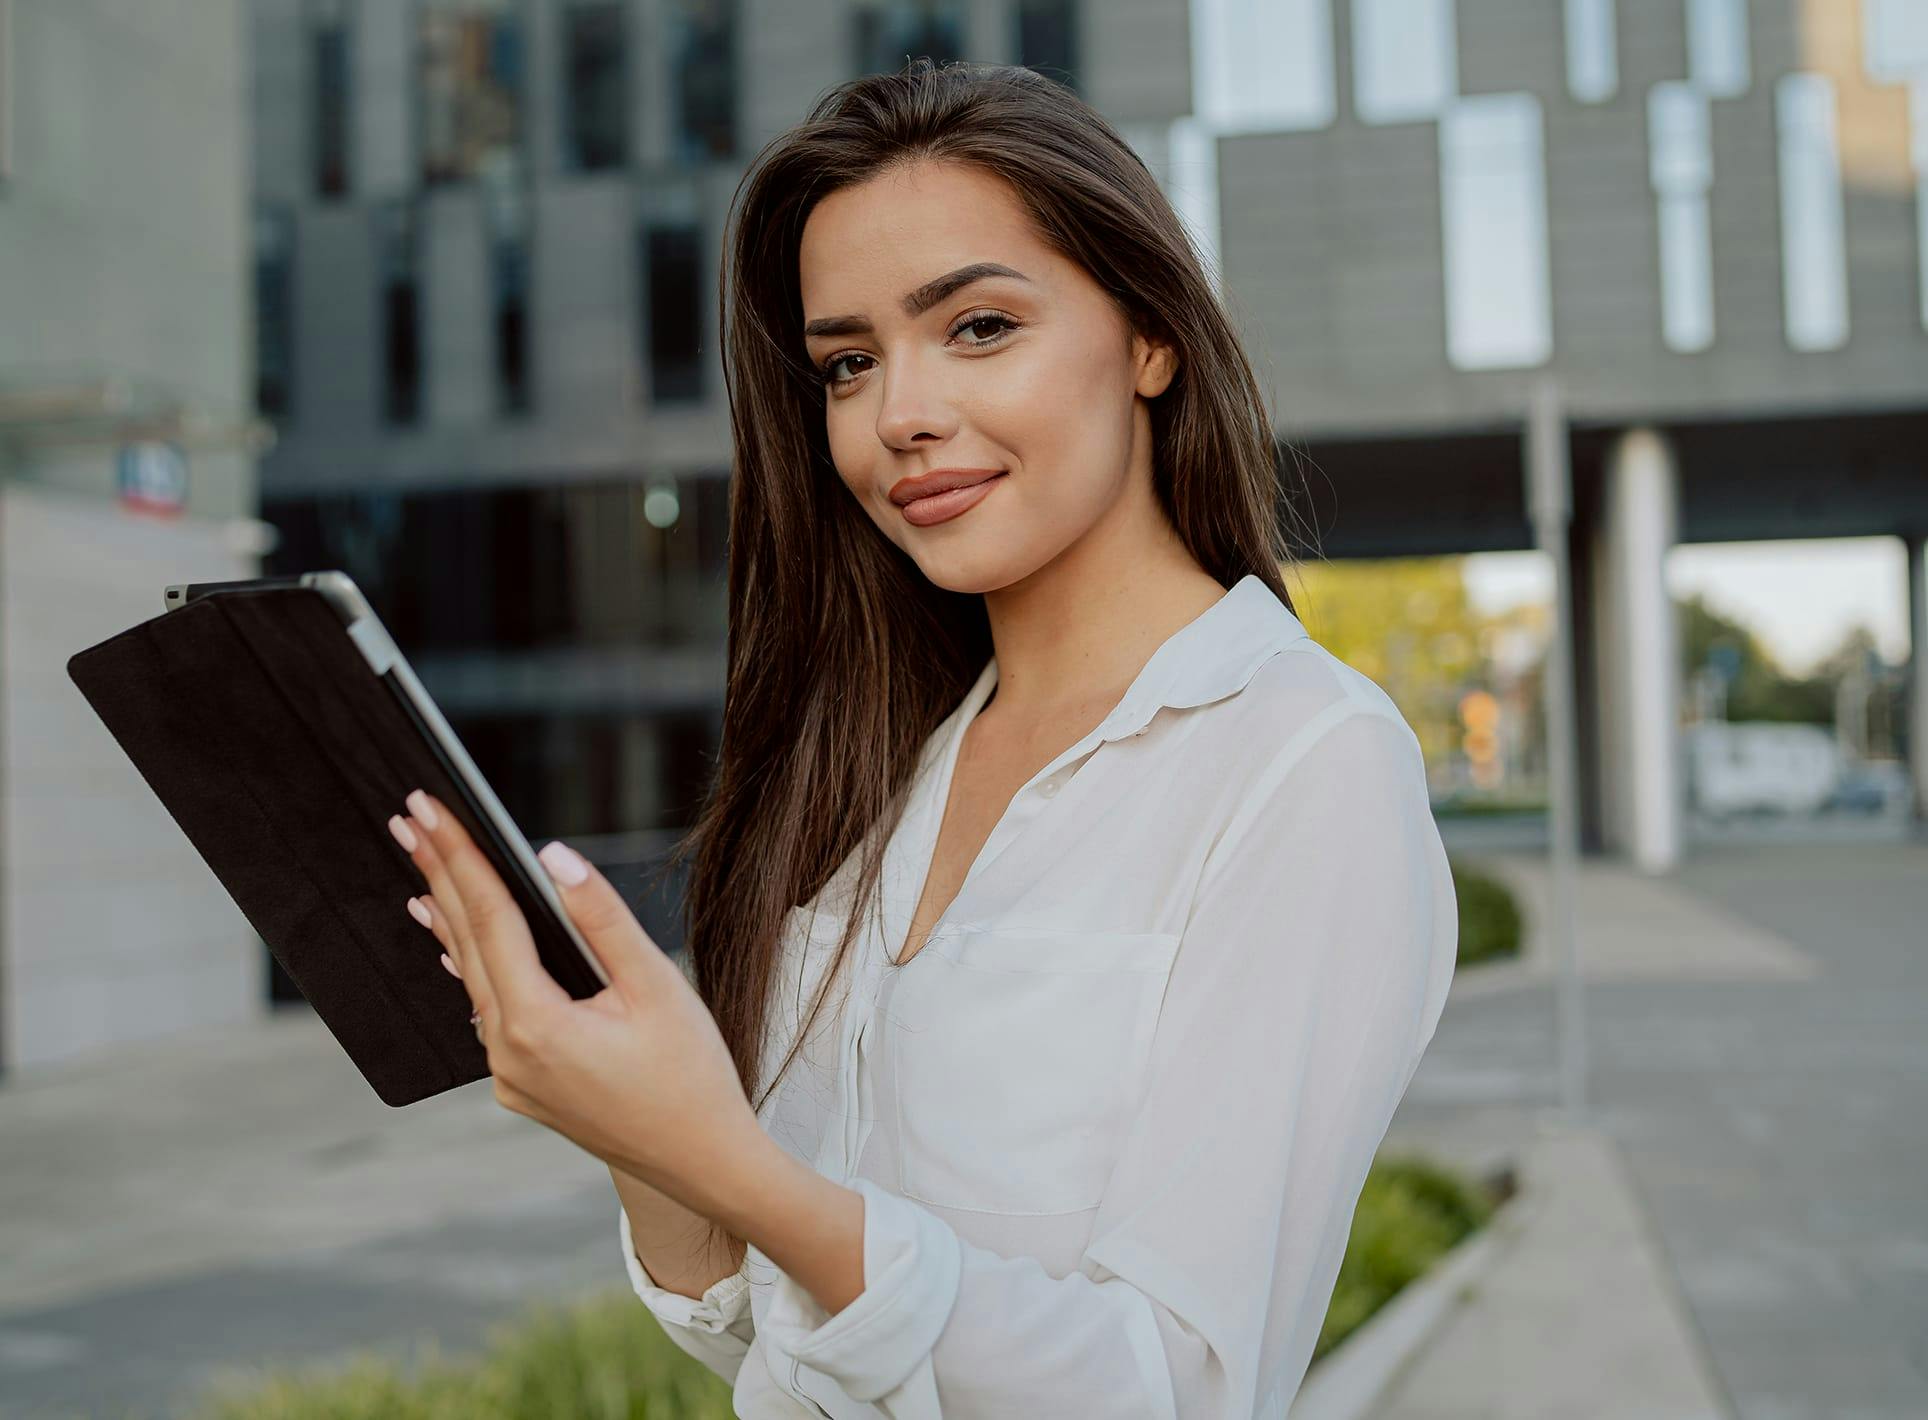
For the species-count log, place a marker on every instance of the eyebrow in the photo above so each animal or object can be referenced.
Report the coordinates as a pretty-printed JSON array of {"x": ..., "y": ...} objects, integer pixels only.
[{"x": 917, "y": 302}]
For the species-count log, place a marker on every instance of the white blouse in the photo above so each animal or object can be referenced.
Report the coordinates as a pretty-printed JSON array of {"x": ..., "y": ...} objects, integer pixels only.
[{"x": 1111, "y": 1122}]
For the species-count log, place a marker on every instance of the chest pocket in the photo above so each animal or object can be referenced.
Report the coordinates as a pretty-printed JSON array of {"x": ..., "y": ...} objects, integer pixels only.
[{"x": 1019, "y": 1058}]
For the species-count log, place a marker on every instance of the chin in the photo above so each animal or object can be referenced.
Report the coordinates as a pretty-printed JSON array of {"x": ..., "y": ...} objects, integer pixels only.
[{"x": 980, "y": 563}]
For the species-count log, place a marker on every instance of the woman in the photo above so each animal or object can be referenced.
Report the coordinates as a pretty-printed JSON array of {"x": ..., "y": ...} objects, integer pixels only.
[{"x": 1124, "y": 918}]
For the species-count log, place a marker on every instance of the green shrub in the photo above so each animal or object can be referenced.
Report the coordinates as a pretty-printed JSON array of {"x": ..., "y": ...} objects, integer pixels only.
[
  {"x": 1489, "y": 917},
  {"x": 1410, "y": 1212}
]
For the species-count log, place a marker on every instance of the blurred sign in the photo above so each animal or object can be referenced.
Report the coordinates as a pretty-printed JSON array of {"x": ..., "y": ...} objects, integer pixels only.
[
  {"x": 153, "y": 477},
  {"x": 1479, "y": 714}
]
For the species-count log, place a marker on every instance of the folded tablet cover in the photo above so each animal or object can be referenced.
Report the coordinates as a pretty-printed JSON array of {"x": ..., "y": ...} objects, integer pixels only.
[{"x": 281, "y": 754}]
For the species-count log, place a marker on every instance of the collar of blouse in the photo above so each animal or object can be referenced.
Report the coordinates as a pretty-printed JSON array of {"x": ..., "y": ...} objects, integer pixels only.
[{"x": 1212, "y": 656}]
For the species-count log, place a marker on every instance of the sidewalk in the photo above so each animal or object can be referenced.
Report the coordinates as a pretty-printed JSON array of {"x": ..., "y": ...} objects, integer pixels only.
[
  {"x": 1628, "y": 927},
  {"x": 1738, "y": 1231},
  {"x": 264, "y": 1141},
  {"x": 1576, "y": 1316}
]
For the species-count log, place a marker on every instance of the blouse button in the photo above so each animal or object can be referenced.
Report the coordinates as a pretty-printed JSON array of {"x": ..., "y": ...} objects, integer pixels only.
[{"x": 1048, "y": 788}]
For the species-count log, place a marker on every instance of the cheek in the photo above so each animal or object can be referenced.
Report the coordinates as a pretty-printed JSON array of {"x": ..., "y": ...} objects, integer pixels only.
[{"x": 853, "y": 447}]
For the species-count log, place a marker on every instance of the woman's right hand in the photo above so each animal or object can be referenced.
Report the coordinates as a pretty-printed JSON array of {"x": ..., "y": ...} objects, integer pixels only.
[{"x": 672, "y": 1242}]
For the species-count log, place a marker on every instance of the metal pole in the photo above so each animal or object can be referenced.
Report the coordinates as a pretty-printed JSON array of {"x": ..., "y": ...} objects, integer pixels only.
[{"x": 1549, "y": 498}]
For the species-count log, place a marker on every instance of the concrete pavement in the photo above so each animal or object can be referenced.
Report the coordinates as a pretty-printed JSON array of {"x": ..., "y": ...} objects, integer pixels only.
[{"x": 1758, "y": 1031}]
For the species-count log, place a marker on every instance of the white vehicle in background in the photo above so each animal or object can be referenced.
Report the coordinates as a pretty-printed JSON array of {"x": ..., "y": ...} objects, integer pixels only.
[{"x": 1761, "y": 767}]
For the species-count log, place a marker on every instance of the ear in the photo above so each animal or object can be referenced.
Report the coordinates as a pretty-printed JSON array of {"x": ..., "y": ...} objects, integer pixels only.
[{"x": 1156, "y": 363}]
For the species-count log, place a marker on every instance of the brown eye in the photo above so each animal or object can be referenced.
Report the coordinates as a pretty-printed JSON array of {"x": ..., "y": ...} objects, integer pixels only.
[
  {"x": 983, "y": 318},
  {"x": 829, "y": 367}
]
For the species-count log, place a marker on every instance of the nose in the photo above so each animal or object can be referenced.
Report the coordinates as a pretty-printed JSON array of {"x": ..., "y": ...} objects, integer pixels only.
[{"x": 916, "y": 405}]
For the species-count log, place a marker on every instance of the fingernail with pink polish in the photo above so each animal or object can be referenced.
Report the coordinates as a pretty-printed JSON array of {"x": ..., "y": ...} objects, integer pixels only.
[
  {"x": 564, "y": 864},
  {"x": 451, "y": 967},
  {"x": 419, "y": 911},
  {"x": 419, "y": 805}
]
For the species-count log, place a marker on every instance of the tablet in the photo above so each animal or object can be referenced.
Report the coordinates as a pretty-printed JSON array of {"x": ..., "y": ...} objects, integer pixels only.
[{"x": 280, "y": 726}]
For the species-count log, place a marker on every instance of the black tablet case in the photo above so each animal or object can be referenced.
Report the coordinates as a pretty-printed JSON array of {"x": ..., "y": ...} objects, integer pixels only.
[{"x": 281, "y": 754}]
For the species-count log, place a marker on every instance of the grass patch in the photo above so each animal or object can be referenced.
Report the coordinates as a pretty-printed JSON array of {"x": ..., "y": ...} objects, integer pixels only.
[
  {"x": 1489, "y": 917},
  {"x": 603, "y": 1358}
]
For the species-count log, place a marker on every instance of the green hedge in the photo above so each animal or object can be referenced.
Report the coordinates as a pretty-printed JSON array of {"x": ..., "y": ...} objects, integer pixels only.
[
  {"x": 605, "y": 1358},
  {"x": 1489, "y": 917},
  {"x": 1410, "y": 1212}
]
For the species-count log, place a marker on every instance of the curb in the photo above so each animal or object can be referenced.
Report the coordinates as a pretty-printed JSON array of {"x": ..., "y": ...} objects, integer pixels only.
[{"x": 1351, "y": 1379}]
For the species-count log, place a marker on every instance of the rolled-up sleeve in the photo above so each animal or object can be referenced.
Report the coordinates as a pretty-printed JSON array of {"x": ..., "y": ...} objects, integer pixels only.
[
  {"x": 1308, "y": 982},
  {"x": 717, "y": 1328}
]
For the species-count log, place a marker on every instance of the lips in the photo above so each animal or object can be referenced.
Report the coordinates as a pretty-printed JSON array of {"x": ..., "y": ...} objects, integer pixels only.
[{"x": 942, "y": 480}]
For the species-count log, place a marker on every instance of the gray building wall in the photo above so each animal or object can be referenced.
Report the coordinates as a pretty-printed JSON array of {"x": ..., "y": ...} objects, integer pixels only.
[
  {"x": 124, "y": 308},
  {"x": 124, "y": 229},
  {"x": 1333, "y": 253},
  {"x": 1330, "y": 240},
  {"x": 591, "y": 415}
]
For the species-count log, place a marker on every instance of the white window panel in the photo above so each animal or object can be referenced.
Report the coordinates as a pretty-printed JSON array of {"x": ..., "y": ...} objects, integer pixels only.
[
  {"x": 1814, "y": 272},
  {"x": 1183, "y": 156},
  {"x": 1263, "y": 65},
  {"x": 1493, "y": 209},
  {"x": 1894, "y": 37},
  {"x": 1592, "y": 51},
  {"x": 1681, "y": 169},
  {"x": 1918, "y": 150},
  {"x": 1717, "y": 46},
  {"x": 1405, "y": 59}
]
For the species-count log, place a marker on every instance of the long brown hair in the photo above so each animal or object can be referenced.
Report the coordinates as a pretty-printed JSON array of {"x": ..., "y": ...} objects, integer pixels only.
[{"x": 843, "y": 657}]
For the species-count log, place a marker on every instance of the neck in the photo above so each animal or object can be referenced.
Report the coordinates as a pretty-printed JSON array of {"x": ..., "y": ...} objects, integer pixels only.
[{"x": 1077, "y": 632}]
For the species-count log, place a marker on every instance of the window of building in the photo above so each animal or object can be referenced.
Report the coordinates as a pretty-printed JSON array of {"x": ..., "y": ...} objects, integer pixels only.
[
  {"x": 1493, "y": 207},
  {"x": 566, "y": 755},
  {"x": 670, "y": 276},
  {"x": 1592, "y": 51},
  {"x": 892, "y": 32},
  {"x": 701, "y": 36},
  {"x": 1894, "y": 39},
  {"x": 399, "y": 263},
  {"x": 595, "y": 87},
  {"x": 274, "y": 312},
  {"x": 1048, "y": 39},
  {"x": 1183, "y": 156},
  {"x": 1405, "y": 59},
  {"x": 1680, "y": 165},
  {"x": 508, "y": 219},
  {"x": 1814, "y": 269},
  {"x": 1919, "y": 155},
  {"x": 1918, "y": 152},
  {"x": 1262, "y": 65},
  {"x": 327, "y": 26},
  {"x": 1717, "y": 46},
  {"x": 1895, "y": 51},
  {"x": 469, "y": 90}
]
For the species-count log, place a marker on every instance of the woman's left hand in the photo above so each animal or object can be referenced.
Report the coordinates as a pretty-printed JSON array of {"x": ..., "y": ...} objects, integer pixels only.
[{"x": 638, "y": 1074}]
